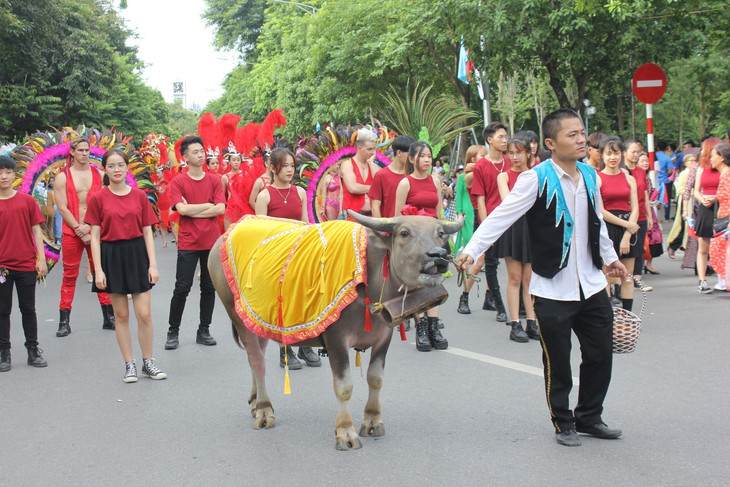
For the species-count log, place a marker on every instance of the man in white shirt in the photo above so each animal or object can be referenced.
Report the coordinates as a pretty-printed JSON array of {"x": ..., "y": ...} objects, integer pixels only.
[{"x": 569, "y": 244}]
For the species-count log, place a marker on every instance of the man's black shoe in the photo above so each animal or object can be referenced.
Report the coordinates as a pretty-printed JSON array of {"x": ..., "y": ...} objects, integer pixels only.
[
  {"x": 291, "y": 359},
  {"x": 172, "y": 340},
  {"x": 567, "y": 438},
  {"x": 203, "y": 337},
  {"x": 309, "y": 357},
  {"x": 600, "y": 430},
  {"x": 64, "y": 323}
]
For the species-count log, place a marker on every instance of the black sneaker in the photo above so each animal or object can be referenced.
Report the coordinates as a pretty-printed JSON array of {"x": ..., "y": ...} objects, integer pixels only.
[
  {"x": 172, "y": 340},
  {"x": 35, "y": 357},
  {"x": 291, "y": 359},
  {"x": 5, "y": 364},
  {"x": 151, "y": 370},
  {"x": 309, "y": 357},
  {"x": 703, "y": 288},
  {"x": 203, "y": 337}
]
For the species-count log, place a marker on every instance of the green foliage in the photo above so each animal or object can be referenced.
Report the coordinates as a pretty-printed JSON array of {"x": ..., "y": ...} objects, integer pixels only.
[
  {"x": 182, "y": 121},
  {"x": 67, "y": 64},
  {"x": 420, "y": 114}
]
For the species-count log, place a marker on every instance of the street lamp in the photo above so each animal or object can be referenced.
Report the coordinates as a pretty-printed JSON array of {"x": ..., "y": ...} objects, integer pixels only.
[{"x": 589, "y": 110}]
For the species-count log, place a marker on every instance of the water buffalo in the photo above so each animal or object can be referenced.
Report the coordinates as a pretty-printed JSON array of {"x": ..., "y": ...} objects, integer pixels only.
[{"x": 417, "y": 259}]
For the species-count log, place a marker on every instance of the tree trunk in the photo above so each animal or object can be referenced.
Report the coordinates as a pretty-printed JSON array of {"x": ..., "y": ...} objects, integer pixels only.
[
  {"x": 556, "y": 83},
  {"x": 633, "y": 117},
  {"x": 702, "y": 111}
]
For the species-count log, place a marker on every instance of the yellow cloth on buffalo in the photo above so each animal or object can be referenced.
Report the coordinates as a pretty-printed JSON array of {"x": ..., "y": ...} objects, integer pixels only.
[{"x": 291, "y": 280}]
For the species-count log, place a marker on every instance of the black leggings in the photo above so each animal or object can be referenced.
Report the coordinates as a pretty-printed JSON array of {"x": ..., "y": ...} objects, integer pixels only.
[{"x": 24, "y": 282}]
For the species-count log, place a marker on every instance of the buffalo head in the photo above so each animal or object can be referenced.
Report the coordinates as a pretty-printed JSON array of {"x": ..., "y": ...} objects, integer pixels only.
[{"x": 417, "y": 246}]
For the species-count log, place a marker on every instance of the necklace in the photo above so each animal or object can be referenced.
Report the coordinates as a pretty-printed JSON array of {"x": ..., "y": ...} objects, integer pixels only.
[
  {"x": 501, "y": 168},
  {"x": 285, "y": 198}
]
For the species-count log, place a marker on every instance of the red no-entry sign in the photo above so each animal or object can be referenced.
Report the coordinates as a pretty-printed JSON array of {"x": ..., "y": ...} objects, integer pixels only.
[{"x": 649, "y": 83}]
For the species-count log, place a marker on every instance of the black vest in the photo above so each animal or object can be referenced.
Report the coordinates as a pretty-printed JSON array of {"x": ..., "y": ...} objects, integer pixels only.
[{"x": 551, "y": 224}]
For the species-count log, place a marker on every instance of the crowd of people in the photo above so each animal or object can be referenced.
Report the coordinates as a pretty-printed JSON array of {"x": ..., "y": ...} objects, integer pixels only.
[{"x": 562, "y": 221}]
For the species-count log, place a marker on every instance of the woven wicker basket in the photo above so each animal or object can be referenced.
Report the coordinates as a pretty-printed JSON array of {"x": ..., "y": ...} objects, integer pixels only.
[{"x": 627, "y": 328}]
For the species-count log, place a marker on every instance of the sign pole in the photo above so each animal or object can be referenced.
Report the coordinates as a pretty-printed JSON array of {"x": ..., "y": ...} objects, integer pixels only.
[{"x": 650, "y": 134}]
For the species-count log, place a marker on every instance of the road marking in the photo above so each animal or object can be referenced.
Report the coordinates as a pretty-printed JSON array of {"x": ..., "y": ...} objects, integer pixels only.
[
  {"x": 650, "y": 83},
  {"x": 507, "y": 364}
]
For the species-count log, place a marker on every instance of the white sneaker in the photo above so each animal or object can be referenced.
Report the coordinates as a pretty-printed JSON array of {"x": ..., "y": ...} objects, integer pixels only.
[
  {"x": 131, "y": 373},
  {"x": 151, "y": 370},
  {"x": 720, "y": 286}
]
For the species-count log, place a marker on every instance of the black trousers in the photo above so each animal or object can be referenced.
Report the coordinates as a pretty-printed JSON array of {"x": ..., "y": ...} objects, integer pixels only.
[
  {"x": 187, "y": 261},
  {"x": 639, "y": 248},
  {"x": 592, "y": 321},
  {"x": 667, "y": 209},
  {"x": 24, "y": 282}
]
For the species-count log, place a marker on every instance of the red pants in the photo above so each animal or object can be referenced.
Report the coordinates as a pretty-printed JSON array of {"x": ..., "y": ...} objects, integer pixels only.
[{"x": 71, "y": 250}]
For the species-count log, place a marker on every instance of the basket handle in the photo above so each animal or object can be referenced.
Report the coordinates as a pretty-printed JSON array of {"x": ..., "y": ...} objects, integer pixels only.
[{"x": 643, "y": 300}]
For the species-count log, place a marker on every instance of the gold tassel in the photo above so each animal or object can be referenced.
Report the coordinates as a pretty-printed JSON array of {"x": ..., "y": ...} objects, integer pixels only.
[
  {"x": 357, "y": 358},
  {"x": 287, "y": 383},
  {"x": 249, "y": 284},
  {"x": 321, "y": 276}
]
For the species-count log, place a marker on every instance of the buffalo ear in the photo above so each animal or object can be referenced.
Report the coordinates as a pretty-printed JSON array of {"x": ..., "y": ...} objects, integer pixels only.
[{"x": 378, "y": 224}]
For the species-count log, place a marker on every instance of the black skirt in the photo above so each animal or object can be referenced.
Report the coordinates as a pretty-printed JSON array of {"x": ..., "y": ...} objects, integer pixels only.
[
  {"x": 515, "y": 242},
  {"x": 126, "y": 264},
  {"x": 704, "y": 217},
  {"x": 616, "y": 233}
]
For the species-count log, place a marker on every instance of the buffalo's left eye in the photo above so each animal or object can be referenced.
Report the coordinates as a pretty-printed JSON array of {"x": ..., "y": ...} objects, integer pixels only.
[
  {"x": 405, "y": 233},
  {"x": 442, "y": 234}
]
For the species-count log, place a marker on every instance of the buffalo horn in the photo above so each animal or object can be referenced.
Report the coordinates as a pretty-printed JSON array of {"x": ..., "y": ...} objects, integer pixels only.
[
  {"x": 377, "y": 224},
  {"x": 453, "y": 227}
]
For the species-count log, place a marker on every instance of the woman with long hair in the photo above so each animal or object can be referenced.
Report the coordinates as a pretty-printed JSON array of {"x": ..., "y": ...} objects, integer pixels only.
[
  {"x": 281, "y": 199},
  {"x": 620, "y": 208},
  {"x": 466, "y": 204},
  {"x": 123, "y": 251},
  {"x": 677, "y": 237},
  {"x": 514, "y": 247},
  {"x": 420, "y": 193},
  {"x": 719, "y": 248},
  {"x": 705, "y": 208}
]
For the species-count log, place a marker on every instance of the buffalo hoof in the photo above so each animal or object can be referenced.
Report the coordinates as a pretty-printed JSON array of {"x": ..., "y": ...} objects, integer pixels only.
[
  {"x": 351, "y": 442},
  {"x": 372, "y": 429},
  {"x": 264, "y": 419}
]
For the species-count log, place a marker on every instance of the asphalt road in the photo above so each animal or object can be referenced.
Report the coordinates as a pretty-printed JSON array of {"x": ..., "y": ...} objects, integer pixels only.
[{"x": 472, "y": 415}]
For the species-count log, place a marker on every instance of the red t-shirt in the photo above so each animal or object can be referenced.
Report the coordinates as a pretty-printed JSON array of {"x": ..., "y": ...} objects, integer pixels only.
[
  {"x": 423, "y": 195},
  {"x": 197, "y": 233},
  {"x": 383, "y": 189},
  {"x": 641, "y": 187},
  {"x": 615, "y": 192},
  {"x": 17, "y": 246},
  {"x": 485, "y": 182},
  {"x": 120, "y": 217}
]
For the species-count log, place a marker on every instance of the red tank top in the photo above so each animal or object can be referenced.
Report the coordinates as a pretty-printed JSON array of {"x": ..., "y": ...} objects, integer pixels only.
[
  {"x": 615, "y": 192},
  {"x": 641, "y": 187},
  {"x": 709, "y": 182},
  {"x": 355, "y": 202},
  {"x": 423, "y": 195},
  {"x": 284, "y": 203},
  {"x": 512, "y": 178}
]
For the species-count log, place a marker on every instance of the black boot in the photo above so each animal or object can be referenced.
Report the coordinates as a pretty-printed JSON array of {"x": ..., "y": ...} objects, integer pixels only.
[
  {"x": 203, "y": 337},
  {"x": 501, "y": 312},
  {"x": 5, "y": 360},
  {"x": 309, "y": 357},
  {"x": 434, "y": 335},
  {"x": 463, "y": 304},
  {"x": 109, "y": 321},
  {"x": 172, "y": 339},
  {"x": 532, "y": 331},
  {"x": 35, "y": 357},
  {"x": 291, "y": 358},
  {"x": 518, "y": 333},
  {"x": 423, "y": 344},
  {"x": 64, "y": 323},
  {"x": 488, "y": 301}
]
